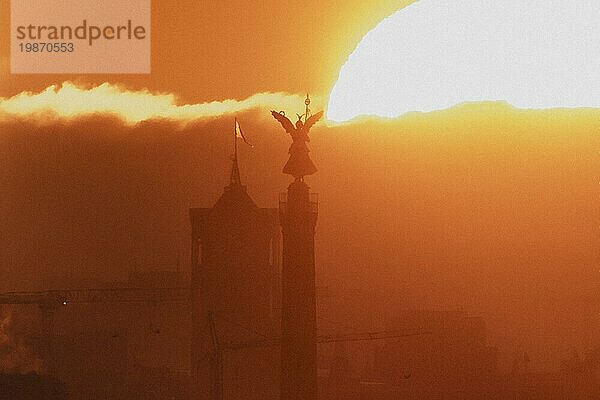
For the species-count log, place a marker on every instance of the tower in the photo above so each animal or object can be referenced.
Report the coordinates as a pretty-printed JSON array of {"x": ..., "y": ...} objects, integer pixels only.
[
  {"x": 298, "y": 215},
  {"x": 235, "y": 275},
  {"x": 298, "y": 211}
]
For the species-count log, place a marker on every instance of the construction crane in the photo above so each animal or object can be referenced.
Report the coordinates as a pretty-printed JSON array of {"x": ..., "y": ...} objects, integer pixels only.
[
  {"x": 51, "y": 300},
  {"x": 217, "y": 354},
  {"x": 351, "y": 337},
  {"x": 112, "y": 295}
]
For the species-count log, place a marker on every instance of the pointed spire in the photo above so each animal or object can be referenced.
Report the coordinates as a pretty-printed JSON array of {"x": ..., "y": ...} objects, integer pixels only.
[
  {"x": 234, "y": 179},
  {"x": 234, "y": 196}
]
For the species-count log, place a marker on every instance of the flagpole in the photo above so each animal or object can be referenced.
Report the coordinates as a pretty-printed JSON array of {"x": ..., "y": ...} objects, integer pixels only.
[
  {"x": 235, "y": 139},
  {"x": 235, "y": 172}
]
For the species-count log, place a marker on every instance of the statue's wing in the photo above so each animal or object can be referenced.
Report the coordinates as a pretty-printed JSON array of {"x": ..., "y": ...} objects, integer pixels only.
[
  {"x": 284, "y": 121},
  {"x": 311, "y": 121}
]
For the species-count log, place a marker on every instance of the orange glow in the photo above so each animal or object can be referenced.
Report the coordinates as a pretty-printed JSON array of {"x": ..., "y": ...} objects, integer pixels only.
[{"x": 481, "y": 209}]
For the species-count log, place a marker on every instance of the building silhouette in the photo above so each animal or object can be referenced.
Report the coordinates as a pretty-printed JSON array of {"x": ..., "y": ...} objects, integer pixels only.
[{"x": 235, "y": 275}]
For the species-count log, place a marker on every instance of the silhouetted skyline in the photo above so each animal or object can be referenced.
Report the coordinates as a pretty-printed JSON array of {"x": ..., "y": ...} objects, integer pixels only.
[{"x": 145, "y": 255}]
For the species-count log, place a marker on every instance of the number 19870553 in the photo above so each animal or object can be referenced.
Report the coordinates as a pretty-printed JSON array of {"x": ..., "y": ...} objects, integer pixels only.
[{"x": 44, "y": 47}]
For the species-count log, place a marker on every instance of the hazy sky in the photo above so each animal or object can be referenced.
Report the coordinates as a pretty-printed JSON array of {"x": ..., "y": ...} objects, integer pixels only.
[{"x": 482, "y": 207}]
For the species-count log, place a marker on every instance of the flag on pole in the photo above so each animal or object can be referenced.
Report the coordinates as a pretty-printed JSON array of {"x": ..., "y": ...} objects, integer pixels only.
[{"x": 240, "y": 134}]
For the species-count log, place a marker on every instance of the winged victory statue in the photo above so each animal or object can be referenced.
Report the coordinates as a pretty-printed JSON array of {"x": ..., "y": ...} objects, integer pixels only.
[{"x": 299, "y": 164}]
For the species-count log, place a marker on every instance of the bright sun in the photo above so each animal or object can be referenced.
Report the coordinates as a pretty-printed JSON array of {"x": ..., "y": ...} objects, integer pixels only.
[{"x": 435, "y": 54}]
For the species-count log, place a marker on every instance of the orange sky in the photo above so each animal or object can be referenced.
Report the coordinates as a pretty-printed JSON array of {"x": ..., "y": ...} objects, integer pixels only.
[
  {"x": 481, "y": 206},
  {"x": 214, "y": 50}
]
